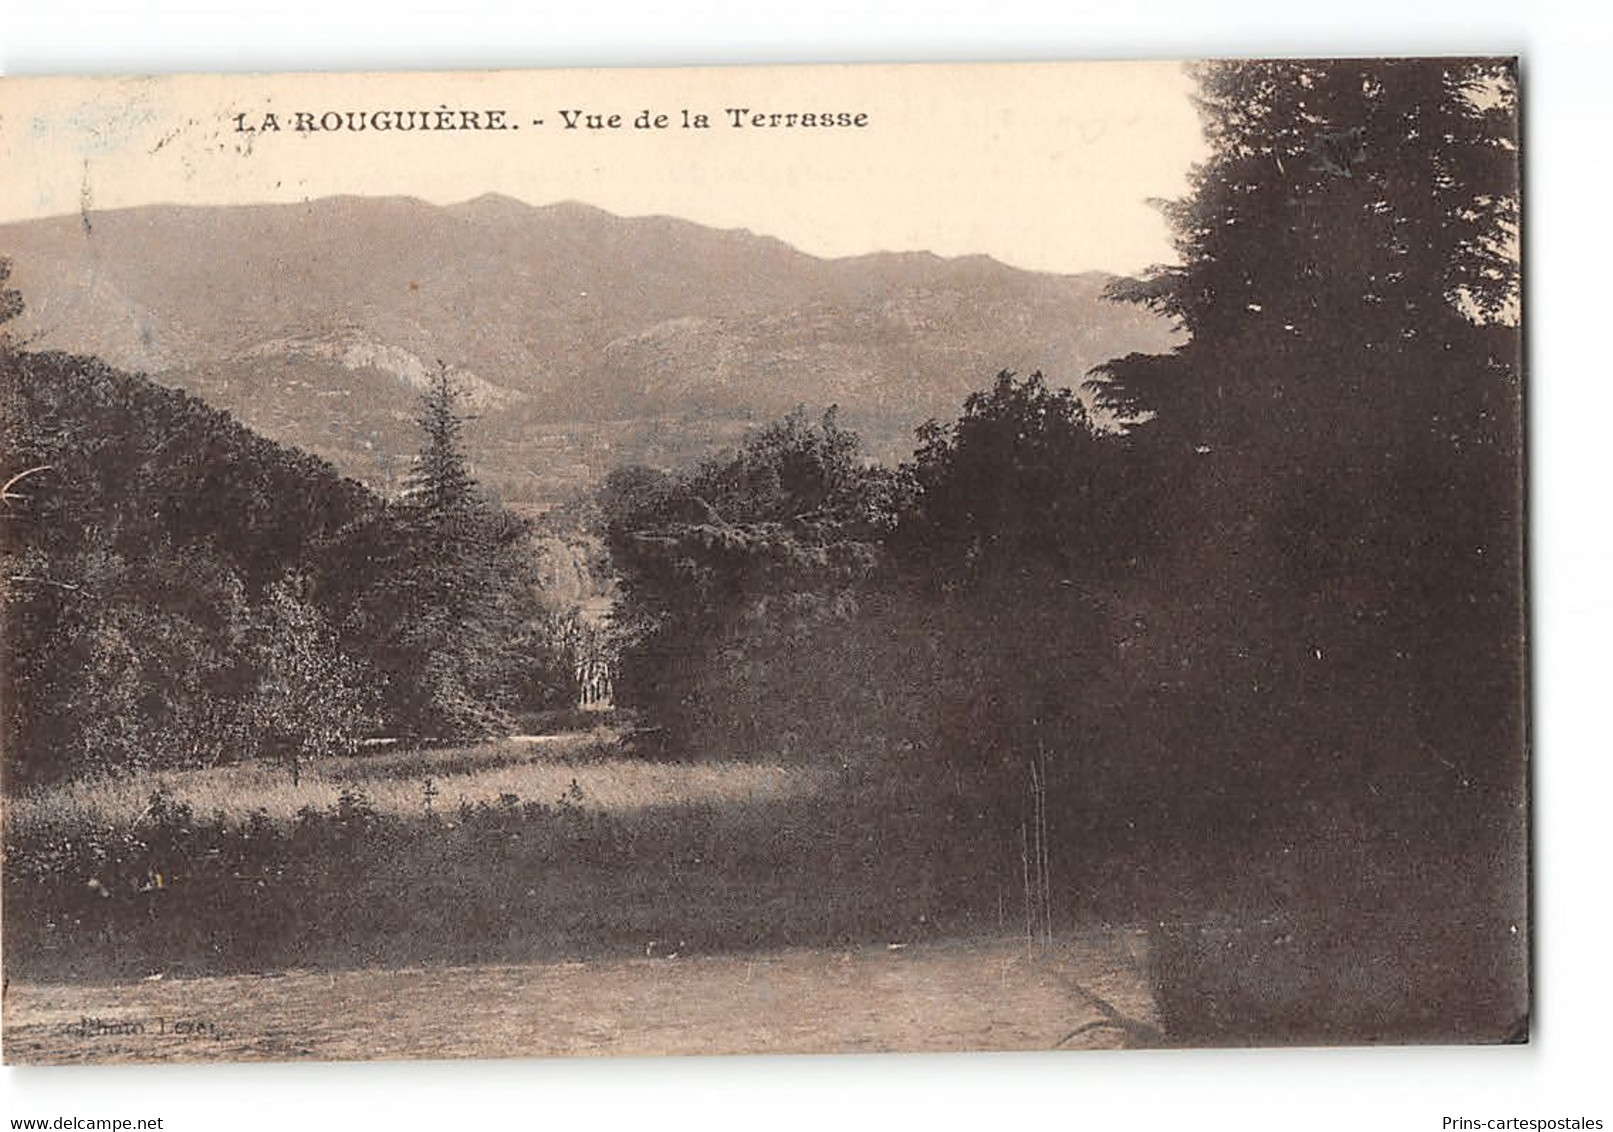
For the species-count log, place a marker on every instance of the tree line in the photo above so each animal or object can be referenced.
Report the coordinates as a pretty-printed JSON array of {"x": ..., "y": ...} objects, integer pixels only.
[
  {"x": 179, "y": 591},
  {"x": 1262, "y": 591}
]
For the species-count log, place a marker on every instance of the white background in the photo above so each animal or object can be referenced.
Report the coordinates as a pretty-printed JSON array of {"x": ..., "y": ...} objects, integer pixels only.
[{"x": 1567, "y": 61}]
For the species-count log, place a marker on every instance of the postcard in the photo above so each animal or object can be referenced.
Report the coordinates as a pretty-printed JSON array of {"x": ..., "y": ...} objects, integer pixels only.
[{"x": 812, "y": 559}]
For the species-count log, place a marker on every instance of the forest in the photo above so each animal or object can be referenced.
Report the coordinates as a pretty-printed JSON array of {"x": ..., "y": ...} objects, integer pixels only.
[{"x": 1227, "y": 636}]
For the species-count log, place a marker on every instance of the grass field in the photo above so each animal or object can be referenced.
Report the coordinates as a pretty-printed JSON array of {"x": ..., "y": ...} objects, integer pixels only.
[
  {"x": 587, "y": 768},
  {"x": 632, "y": 898},
  {"x": 530, "y": 852},
  {"x": 559, "y": 897}
]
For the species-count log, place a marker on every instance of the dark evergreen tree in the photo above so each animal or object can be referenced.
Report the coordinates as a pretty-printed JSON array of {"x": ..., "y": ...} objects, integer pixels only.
[
  {"x": 1337, "y": 445},
  {"x": 1336, "y": 623},
  {"x": 439, "y": 485},
  {"x": 461, "y": 599}
]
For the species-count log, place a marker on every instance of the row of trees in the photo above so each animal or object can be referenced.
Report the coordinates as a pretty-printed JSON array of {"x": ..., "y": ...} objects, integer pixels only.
[
  {"x": 180, "y": 591},
  {"x": 936, "y": 620},
  {"x": 1277, "y": 588}
]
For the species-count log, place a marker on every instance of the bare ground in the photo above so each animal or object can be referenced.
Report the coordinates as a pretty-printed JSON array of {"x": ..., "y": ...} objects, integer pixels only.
[{"x": 1086, "y": 992}]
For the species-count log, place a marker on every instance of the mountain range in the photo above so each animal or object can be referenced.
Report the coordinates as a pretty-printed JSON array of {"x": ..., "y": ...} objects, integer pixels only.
[{"x": 583, "y": 339}]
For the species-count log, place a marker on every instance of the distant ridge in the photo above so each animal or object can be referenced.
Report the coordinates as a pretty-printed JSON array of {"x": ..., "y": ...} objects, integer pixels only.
[{"x": 587, "y": 339}]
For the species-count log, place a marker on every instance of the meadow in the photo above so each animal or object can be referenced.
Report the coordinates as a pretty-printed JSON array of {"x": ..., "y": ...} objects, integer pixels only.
[
  {"x": 565, "y": 896},
  {"x": 515, "y": 851},
  {"x": 575, "y": 854},
  {"x": 588, "y": 767}
]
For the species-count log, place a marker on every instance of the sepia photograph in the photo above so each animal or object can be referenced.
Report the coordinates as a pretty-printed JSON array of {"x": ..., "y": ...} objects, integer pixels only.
[{"x": 764, "y": 560}]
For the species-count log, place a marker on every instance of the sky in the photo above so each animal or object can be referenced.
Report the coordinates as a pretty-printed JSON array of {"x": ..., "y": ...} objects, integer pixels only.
[{"x": 1043, "y": 166}]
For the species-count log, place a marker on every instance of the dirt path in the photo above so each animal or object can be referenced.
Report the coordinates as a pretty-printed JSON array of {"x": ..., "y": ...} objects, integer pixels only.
[{"x": 939, "y": 997}]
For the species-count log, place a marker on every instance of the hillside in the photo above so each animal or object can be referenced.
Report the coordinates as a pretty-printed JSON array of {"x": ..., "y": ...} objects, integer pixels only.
[{"x": 586, "y": 339}]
